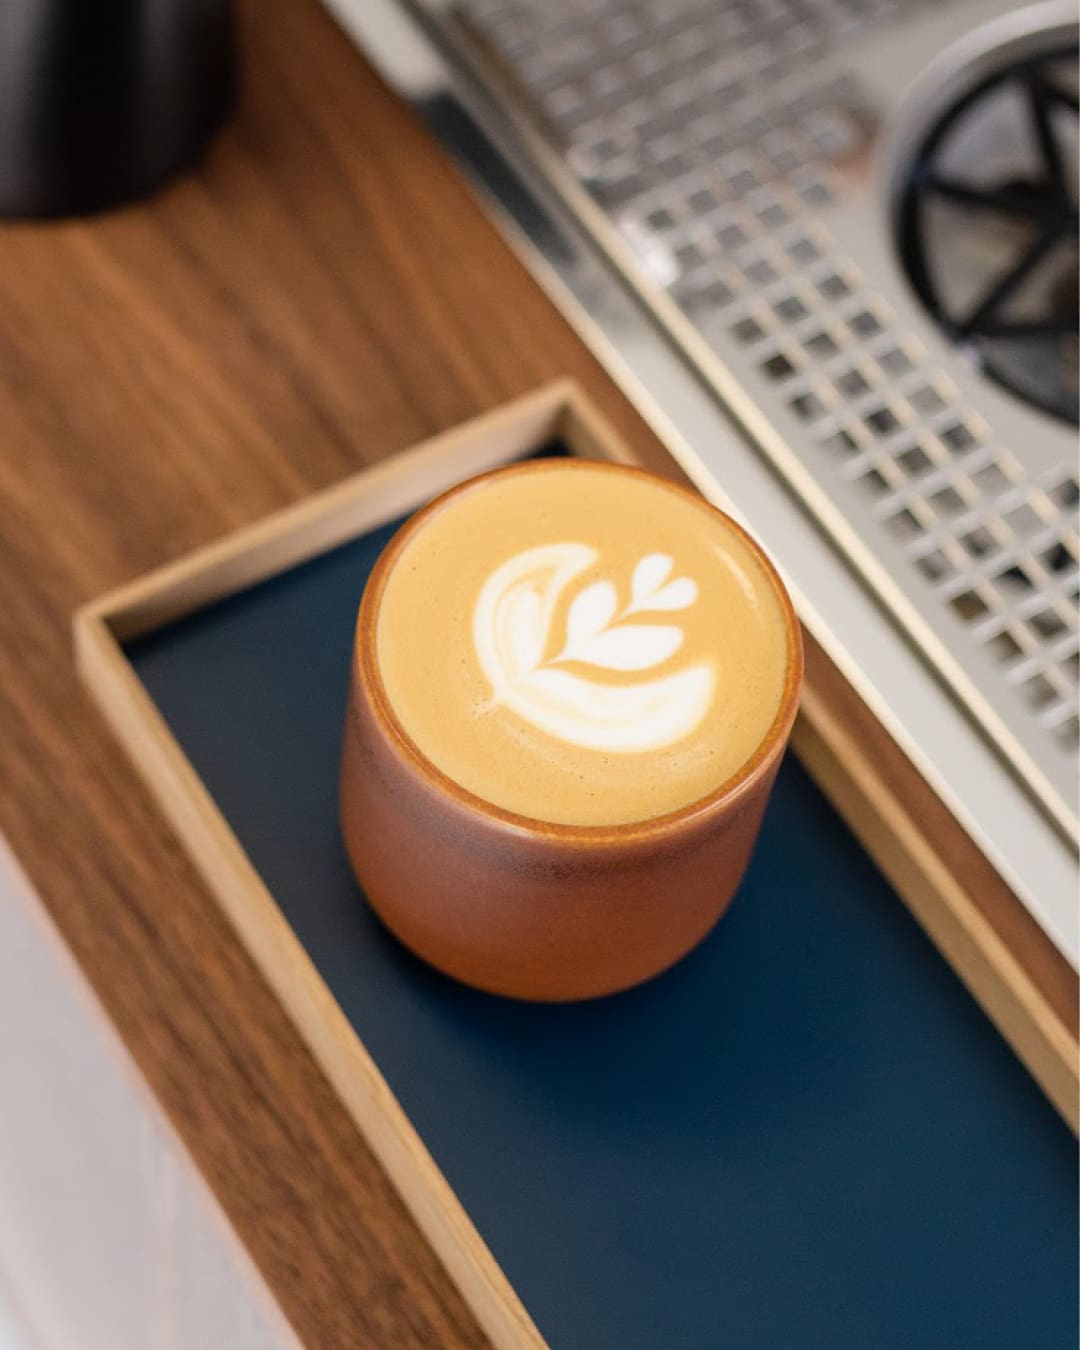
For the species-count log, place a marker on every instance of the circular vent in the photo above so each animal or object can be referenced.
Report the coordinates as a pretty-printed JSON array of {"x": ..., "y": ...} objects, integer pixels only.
[{"x": 988, "y": 227}]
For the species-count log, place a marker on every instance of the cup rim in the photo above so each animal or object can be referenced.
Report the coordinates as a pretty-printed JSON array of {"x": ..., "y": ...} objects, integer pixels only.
[{"x": 682, "y": 818}]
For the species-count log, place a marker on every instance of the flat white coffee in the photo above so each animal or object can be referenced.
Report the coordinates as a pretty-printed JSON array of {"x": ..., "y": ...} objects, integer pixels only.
[{"x": 582, "y": 644}]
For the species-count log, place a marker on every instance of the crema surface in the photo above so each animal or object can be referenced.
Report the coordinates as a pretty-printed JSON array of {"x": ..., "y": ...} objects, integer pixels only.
[{"x": 581, "y": 645}]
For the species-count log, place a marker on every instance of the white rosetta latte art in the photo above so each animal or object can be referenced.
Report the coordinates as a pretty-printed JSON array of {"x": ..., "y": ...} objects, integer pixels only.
[{"x": 512, "y": 630}]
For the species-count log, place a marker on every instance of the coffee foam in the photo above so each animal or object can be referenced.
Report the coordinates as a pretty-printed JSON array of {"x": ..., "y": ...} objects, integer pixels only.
[
  {"x": 512, "y": 636},
  {"x": 581, "y": 645}
]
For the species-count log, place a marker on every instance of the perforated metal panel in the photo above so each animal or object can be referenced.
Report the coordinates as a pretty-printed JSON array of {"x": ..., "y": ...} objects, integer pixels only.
[{"x": 735, "y": 150}]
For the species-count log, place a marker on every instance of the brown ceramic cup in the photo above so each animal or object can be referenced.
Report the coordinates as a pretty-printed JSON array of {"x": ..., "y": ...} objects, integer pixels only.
[{"x": 523, "y": 907}]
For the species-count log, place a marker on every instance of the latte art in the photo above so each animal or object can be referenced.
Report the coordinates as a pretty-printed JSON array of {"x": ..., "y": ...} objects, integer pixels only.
[
  {"x": 581, "y": 644},
  {"x": 512, "y": 625}
]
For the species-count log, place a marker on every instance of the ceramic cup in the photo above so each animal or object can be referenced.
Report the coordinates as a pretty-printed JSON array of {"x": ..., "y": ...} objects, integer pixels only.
[{"x": 517, "y": 906}]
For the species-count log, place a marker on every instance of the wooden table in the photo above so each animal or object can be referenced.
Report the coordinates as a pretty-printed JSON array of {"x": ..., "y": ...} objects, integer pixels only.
[{"x": 322, "y": 292}]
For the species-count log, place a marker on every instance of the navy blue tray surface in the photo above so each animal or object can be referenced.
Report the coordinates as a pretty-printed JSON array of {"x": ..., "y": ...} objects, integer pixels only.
[{"x": 805, "y": 1137}]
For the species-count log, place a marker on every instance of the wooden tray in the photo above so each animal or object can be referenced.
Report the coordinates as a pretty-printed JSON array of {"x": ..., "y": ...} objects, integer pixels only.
[{"x": 569, "y": 1165}]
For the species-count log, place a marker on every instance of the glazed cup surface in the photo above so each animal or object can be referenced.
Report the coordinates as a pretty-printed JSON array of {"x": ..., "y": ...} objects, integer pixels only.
[{"x": 524, "y": 907}]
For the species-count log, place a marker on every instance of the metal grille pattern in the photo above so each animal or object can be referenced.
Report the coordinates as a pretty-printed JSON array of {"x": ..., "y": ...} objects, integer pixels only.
[{"x": 722, "y": 173}]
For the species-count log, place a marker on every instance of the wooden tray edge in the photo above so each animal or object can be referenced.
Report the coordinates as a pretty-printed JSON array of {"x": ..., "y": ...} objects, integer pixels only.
[{"x": 843, "y": 767}]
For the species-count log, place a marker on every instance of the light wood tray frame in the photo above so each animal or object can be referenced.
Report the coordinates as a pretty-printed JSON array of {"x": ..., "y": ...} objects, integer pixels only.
[{"x": 844, "y": 767}]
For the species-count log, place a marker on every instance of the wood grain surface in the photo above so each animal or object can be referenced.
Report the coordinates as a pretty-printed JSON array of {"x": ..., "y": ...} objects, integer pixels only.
[{"x": 321, "y": 293}]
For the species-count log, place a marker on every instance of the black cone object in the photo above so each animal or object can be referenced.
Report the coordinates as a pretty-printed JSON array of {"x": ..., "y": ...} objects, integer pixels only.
[{"x": 102, "y": 101}]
